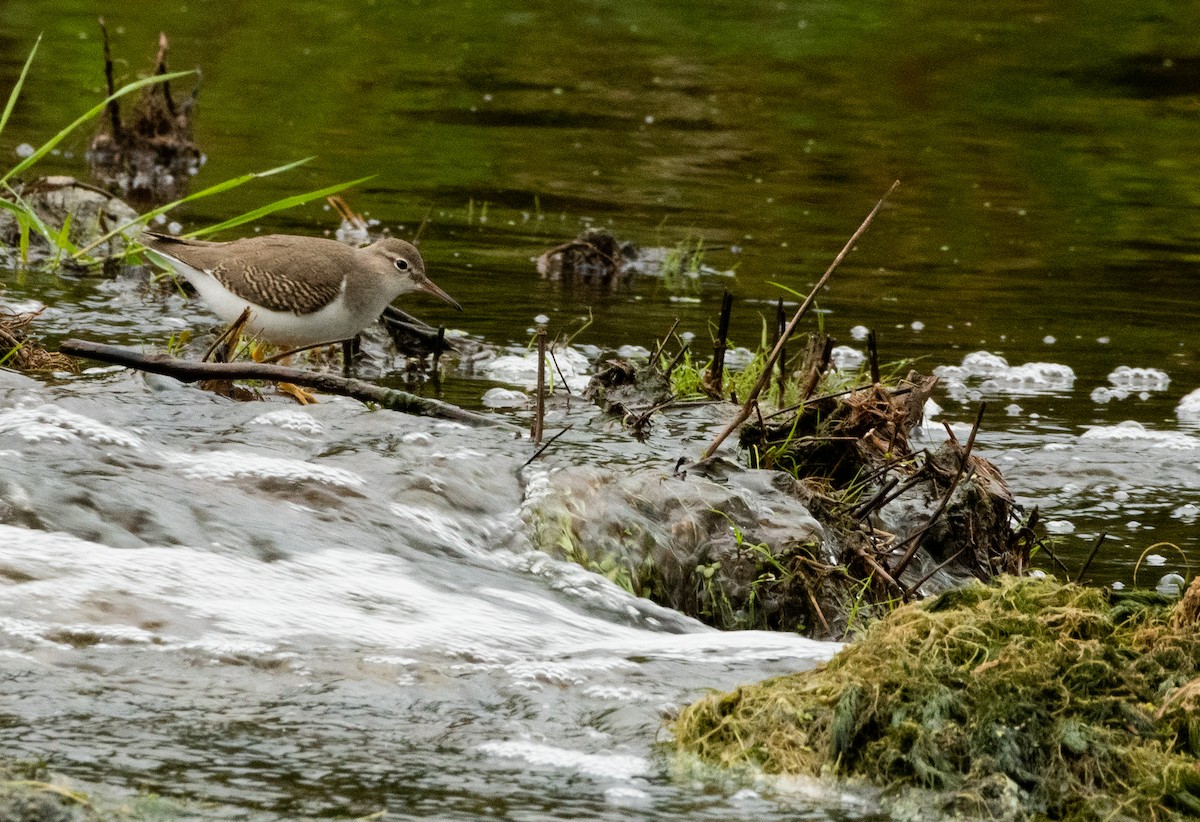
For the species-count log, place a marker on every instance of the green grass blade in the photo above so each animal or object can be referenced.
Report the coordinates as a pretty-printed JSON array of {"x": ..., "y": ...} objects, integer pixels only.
[
  {"x": 92, "y": 112},
  {"x": 145, "y": 219},
  {"x": 791, "y": 291},
  {"x": 16, "y": 92},
  {"x": 62, "y": 241},
  {"x": 278, "y": 205},
  {"x": 28, "y": 219}
]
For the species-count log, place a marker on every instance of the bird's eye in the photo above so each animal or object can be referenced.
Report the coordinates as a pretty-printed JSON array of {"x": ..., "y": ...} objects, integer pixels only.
[{"x": 402, "y": 264}]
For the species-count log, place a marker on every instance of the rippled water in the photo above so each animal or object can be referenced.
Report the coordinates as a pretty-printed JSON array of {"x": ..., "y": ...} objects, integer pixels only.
[{"x": 328, "y": 611}]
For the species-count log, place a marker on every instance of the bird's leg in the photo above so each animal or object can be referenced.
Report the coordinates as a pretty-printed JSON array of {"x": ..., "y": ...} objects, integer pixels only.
[{"x": 351, "y": 351}]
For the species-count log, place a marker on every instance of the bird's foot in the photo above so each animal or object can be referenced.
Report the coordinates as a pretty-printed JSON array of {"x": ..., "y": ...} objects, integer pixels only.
[{"x": 297, "y": 393}]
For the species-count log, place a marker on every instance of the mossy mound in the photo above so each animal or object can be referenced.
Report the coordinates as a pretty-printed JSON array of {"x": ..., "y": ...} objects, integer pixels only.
[
  {"x": 1024, "y": 699},
  {"x": 31, "y": 793}
]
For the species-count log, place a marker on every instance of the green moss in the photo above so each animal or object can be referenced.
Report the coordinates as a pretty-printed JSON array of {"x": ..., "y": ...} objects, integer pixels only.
[
  {"x": 1082, "y": 704},
  {"x": 30, "y": 793}
]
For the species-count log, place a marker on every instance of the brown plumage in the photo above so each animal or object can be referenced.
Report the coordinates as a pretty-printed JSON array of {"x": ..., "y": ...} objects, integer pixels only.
[{"x": 301, "y": 290}]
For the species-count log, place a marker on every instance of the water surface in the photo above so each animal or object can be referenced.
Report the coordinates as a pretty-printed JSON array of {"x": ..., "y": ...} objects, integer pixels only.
[{"x": 327, "y": 612}]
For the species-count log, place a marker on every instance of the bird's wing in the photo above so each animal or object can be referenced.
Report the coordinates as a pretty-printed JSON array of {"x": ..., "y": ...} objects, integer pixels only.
[
  {"x": 300, "y": 276},
  {"x": 283, "y": 287}
]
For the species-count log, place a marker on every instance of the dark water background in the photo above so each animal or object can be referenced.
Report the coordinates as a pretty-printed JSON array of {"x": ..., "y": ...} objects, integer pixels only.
[{"x": 1047, "y": 212}]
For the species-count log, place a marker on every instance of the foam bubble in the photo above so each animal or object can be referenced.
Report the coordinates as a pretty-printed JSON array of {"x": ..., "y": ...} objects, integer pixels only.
[
  {"x": 845, "y": 358},
  {"x": 504, "y": 398},
  {"x": 1189, "y": 407},
  {"x": 1150, "y": 379}
]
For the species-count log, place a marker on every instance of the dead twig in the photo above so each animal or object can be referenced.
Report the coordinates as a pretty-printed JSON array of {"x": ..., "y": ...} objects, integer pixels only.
[
  {"x": 914, "y": 542},
  {"x": 232, "y": 331},
  {"x": 908, "y": 592},
  {"x": 1095, "y": 550},
  {"x": 539, "y": 414},
  {"x": 546, "y": 445},
  {"x": 190, "y": 371},
  {"x": 714, "y": 380},
  {"x": 114, "y": 108},
  {"x": 768, "y": 366}
]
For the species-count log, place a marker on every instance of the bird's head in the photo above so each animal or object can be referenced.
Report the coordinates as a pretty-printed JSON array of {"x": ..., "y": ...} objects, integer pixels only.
[{"x": 404, "y": 266}]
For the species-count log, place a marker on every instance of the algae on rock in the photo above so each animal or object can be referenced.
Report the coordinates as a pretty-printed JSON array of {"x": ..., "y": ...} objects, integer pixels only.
[{"x": 1080, "y": 703}]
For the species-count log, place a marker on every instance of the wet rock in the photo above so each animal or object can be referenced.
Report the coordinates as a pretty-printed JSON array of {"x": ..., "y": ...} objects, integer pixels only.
[
  {"x": 739, "y": 553},
  {"x": 92, "y": 211},
  {"x": 854, "y": 522}
]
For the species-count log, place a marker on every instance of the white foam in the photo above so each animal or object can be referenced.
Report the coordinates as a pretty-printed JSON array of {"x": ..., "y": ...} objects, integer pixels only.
[
  {"x": 522, "y": 369},
  {"x": 1132, "y": 431},
  {"x": 622, "y": 767},
  {"x": 49, "y": 422},
  {"x": 845, "y": 358},
  {"x": 623, "y": 796},
  {"x": 738, "y": 358},
  {"x": 1059, "y": 526},
  {"x": 995, "y": 375},
  {"x": 290, "y": 420},
  {"x": 346, "y": 597},
  {"x": 1189, "y": 407},
  {"x": 504, "y": 398},
  {"x": 1146, "y": 379},
  {"x": 231, "y": 465},
  {"x": 633, "y": 352}
]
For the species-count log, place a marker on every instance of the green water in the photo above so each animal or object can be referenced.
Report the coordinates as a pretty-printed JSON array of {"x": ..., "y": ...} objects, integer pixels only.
[{"x": 1046, "y": 157}]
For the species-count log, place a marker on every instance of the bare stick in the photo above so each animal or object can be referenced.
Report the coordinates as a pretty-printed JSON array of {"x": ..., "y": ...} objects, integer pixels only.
[
  {"x": 780, "y": 325},
  {"x": 546, "y": 445},
  {"x": 877, "y": 568},
  {"x": 914, "y": 542},
  {"x": 908, "y": 592},
  {"x": 658, "y": 348},
  {"x": 114, "y": 108},
  {"x": 539, "y": 414},
  {"x": 1095, "y": 549},
  {"x": 675, "y": 361},
  {"x": 769, "y": 365},
  {"x": 716, "y": 371},
  {"x": 190, "y": 371},
  {"x": 561, "y": 376},
  {"x": 233, "y": 330}
]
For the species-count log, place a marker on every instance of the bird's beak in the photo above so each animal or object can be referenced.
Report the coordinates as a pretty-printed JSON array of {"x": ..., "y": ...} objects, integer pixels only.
[{"x": 432, "y": 288}]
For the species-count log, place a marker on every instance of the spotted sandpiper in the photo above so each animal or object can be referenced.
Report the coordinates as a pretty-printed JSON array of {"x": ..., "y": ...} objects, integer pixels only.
[{"x": 301, "y": 291}]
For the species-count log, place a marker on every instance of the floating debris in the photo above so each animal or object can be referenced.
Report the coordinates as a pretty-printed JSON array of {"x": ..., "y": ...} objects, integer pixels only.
[
  {"x": 594, "y": 258},
  {"x": 150, "y": 157}
]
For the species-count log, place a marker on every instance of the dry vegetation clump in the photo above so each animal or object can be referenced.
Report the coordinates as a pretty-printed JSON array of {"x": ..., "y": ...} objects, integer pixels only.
[
  {"x": 18, "y": 350},
  {"x": 1025, "y": 699}
]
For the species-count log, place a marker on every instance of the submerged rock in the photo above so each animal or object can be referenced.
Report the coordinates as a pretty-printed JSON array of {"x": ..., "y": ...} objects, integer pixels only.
[{"x": 1026, "y": 699}]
